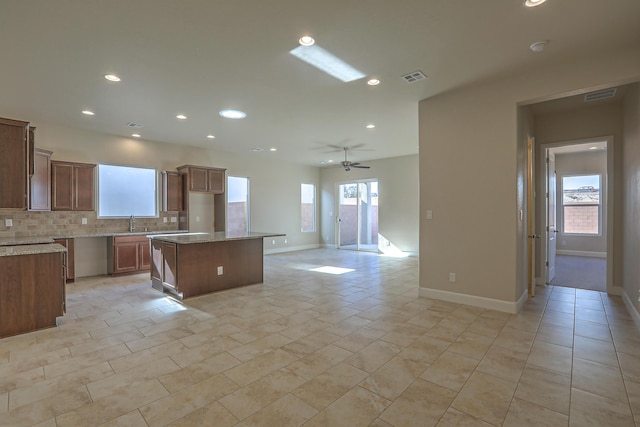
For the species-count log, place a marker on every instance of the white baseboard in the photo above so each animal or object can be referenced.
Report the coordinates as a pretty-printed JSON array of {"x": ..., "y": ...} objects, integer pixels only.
[
  {"x": 290, "y": 249},
  {"x": 482, "y": 302},
  {"x": 632, "y": 308},
  {"x": 581, "y": 253}
]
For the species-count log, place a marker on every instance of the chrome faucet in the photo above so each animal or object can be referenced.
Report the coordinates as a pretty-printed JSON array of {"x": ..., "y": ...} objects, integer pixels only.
[{"x": 132, "y": 223}]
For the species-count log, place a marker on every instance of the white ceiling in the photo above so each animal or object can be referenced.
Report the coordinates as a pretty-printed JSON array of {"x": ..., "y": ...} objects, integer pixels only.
[{"x": 197, "y": 57}]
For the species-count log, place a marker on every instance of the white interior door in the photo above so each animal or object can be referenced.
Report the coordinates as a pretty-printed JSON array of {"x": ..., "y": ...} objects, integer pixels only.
[{"x": 551, "y": 231}]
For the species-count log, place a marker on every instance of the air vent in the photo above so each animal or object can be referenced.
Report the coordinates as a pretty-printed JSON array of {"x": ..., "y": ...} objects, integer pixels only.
[
  {"x": 601, "y": 94},
  {"x": 414, "y": 77},
  {"x": 135, "y": 125}
]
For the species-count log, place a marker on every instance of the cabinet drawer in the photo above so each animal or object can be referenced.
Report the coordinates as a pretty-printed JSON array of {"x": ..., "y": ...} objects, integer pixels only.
[{"x": 129, "y": 239}]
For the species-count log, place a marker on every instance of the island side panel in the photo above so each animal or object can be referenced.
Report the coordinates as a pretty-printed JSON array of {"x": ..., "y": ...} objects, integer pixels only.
[
  {"x": 31, "y": 292},
  {"x": 241, "y": 261}
]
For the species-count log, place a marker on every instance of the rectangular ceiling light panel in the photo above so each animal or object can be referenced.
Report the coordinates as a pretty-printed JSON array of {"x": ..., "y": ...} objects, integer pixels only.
[{"x": 327, "y": 62}]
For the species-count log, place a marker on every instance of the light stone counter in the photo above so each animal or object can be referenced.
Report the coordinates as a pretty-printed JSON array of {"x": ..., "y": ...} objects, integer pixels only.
[{"x": 33, "y": 249}]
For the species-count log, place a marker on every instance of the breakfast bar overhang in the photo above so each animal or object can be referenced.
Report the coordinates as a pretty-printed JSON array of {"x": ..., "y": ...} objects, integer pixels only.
[{"x": 192, "y": 264}]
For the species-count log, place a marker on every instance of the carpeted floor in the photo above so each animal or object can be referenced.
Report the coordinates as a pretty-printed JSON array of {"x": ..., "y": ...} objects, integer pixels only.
[{"x": 581, "y": 272}]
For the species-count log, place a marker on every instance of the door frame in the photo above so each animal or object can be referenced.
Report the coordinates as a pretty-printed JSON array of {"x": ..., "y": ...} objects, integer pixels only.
[
  {"x": 337, "y": 208},
  {"x": 610, "y": 200}
]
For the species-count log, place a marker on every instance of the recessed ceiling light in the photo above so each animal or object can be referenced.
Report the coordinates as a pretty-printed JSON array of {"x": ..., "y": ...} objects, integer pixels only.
[
  {"x": 593, "y": 148},
  {"x": 210, "y": 136},
  {"x": 88, "y": 113},
  {"x": 538, "y": 46},
  {"x": 233, "y": 114},
  {"x": 257, "y": 149},
  {"x": 373, "y": 82},
  {"x": 273, "y": 149},
  {"x": 533, "y": 3},
  {"x": 371, "y": 126},
  {"x": 329, "y": 161},
  {"x": 181, "y": 117},
  {"x": 136, "y": 135},
  {"x": 327, "y": 62},
  {"x": 112, "y": 78},
  {"x": 306, "y": 41}
]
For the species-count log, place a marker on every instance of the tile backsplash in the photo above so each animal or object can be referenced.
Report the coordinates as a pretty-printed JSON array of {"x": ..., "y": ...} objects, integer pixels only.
[{"x": 67, "y": 223}]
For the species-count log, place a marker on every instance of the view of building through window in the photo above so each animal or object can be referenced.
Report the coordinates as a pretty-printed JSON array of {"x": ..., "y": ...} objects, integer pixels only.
[
  {"x": 581, "y": 204},
  {"x": 237, "y": 204},
  {"x": 308, "y": 207}
]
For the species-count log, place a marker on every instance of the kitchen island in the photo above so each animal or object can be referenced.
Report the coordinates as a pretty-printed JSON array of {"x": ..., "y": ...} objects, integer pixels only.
[{"x": 193, "y": 264}]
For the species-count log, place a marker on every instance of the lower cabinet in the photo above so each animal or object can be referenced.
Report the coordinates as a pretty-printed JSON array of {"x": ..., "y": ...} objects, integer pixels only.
[
  {"x": 32, "y": 292},
  {"x": 69, "y": 258},
  {"x": 128, "y": 254}
]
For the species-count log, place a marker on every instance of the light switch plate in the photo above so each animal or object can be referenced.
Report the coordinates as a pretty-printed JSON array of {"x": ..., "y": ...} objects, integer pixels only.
[
  {"x": 8, "y": 223},
  {"x": 84, "y": 221},
  {"x": 174, "y": 219},
  {"x": 429, "y": 214},
  {"x": 164, "y": 219},
  {"x": 220, "y": 270}
]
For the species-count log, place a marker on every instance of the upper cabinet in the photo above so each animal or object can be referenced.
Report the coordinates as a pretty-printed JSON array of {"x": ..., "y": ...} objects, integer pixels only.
[
  {"x": 72, "y": 186},
  {"x": 15, "y": 158},
  {"x": 204, "y": 179},
  {"x": 40, "y": 181},
  {"x": 172, "y": 191}
]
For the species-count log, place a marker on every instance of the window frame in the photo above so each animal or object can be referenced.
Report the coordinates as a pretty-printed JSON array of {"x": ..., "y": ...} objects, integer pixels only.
[
  {"x": 313, "y": 210},
  {"x": 562, "y": 188},
  {"x": 156, "y": 205}
]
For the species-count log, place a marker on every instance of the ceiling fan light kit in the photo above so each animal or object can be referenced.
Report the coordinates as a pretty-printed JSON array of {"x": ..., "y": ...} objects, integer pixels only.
[{"x": 347, "y": 165}]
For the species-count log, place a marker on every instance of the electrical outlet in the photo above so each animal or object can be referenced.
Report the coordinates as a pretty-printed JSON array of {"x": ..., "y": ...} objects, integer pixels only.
[
  {"x": 220, "y": 270},
  {"x": 452, "y": 277},
  {"x": 285, "y": 241},
  {"x": 273, "y": 242},
  {"x": 174, "y": 219},
  {"x": 8, "y": 223},
  {"x": 429, "y": 214},
  {"x": 164, "y": 219}
]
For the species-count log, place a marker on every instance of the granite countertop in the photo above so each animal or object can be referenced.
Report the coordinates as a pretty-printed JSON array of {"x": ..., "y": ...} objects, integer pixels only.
[
  {"x": 218, "y": 236},
  {"x": 16, "y": 241},
  {"x": 32, "y": 249}
]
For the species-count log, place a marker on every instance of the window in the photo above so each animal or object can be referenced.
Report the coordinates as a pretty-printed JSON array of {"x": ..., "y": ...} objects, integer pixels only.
[
  {"x": 237, "y": 204},
  {"x": 308, "y": 207},
  {"x": 124, "y": 191},
  {"x": 581, "y": 204}
]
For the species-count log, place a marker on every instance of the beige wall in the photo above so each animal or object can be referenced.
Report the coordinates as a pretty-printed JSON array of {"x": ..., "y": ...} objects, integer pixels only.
[
  {"x": 470, "y": 161},
  {"x": 631, "y": 199},
  {"x": 397, "y": 204},
  {"x": 589, "y": 163},
  {"x": 275, "y": 186}
]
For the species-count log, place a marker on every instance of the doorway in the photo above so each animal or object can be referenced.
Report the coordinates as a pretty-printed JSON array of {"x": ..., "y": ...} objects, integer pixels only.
[
  {"x": 576, "y": 212},
  {"x": 358, "y": 215}
]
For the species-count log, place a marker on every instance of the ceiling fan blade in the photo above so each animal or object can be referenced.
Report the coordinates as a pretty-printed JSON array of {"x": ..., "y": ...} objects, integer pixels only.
[{"x": 355, "y": 165}]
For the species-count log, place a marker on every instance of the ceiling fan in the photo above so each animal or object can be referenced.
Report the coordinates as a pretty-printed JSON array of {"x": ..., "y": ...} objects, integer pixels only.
[{"x": 347, "y": 165}]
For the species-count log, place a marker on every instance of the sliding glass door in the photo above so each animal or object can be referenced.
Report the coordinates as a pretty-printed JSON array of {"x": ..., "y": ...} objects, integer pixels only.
[{"x": 358, "y": 215}]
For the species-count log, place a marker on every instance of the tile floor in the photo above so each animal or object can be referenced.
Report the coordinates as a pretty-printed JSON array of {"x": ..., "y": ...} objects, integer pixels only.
[{"x": 317, "y": 349}]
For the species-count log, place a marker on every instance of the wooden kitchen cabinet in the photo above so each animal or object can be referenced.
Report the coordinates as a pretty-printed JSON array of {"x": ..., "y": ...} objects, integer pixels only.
[
  {"x": 15, "y": 158},
  {"x": 32, "y": 293},
  {"x": 40, "y": 181},
  {"x": 128, "y": 254},
  {"x": 72, "y": 186},
  {"x": 204, "y": 179},
  {"x": 69, "y": 259},
  {"x": 164, "y": 265},
  {"x": 172, "y": 191}
]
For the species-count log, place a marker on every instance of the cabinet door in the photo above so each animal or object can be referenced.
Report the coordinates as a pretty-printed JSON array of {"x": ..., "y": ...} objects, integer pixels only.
[
  {"x": 13, "y": 164},
  {"x": 83, "y": 180},
  {"x": 198, "y": 179},
  {"x": 61, "y": 186},
  {"x": 125, "y": 257},
  {"x": 156, "y": 260},
  {"x": 215, "y": 181},
  {"x": 169, "y": 265},
  {"x": 172, "y": 191},
  {"x": 144, "y": 255},
  {"x": 40, "y": 194}
]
